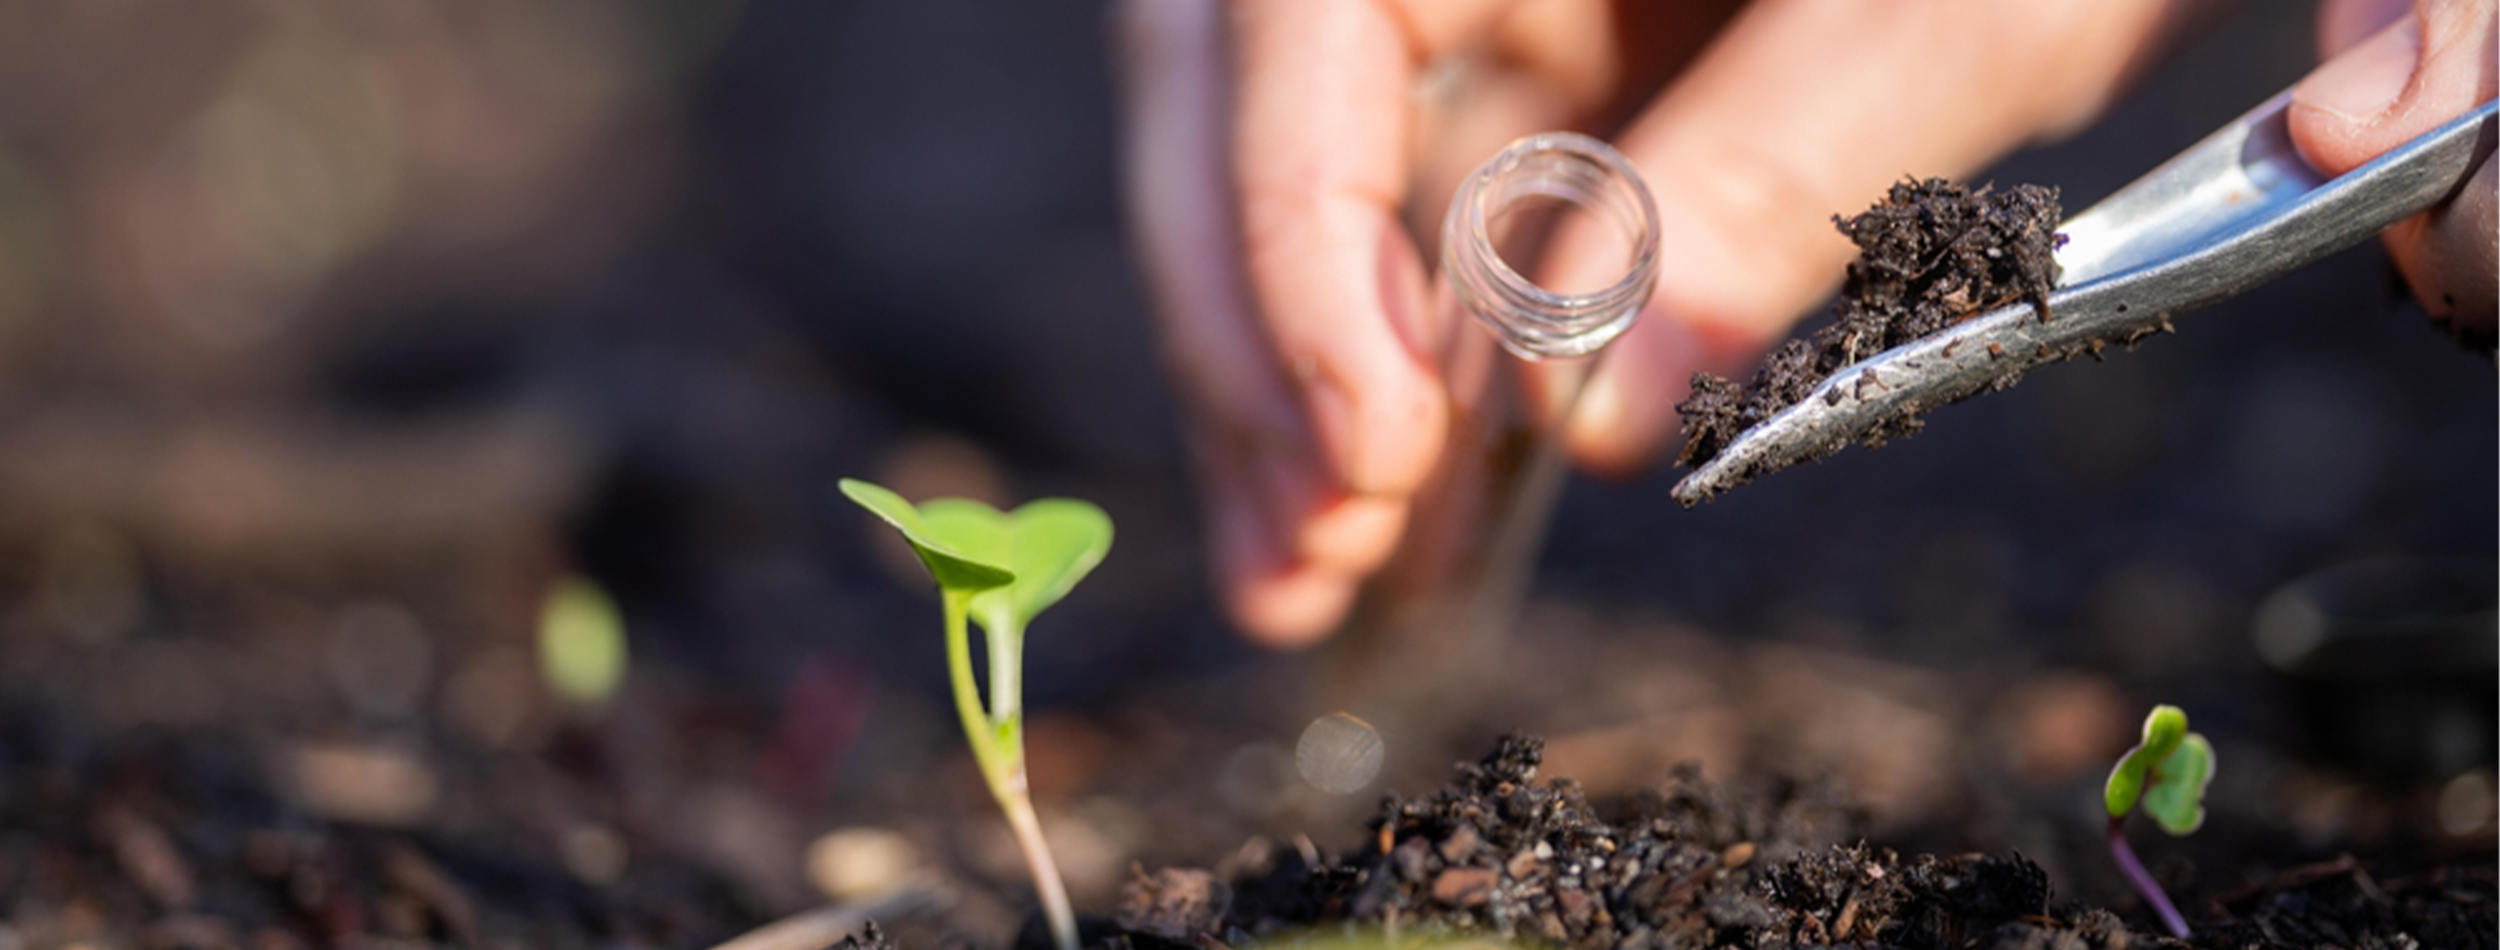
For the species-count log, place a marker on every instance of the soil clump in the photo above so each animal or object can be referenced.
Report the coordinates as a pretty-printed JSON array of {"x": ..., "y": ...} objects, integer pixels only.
[{"x": 1930, "y": 254}]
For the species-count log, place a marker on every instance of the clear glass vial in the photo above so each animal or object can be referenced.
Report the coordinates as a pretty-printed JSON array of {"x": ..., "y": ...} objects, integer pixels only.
[
  {"x": 1509, "y": 206},
  {"x": 1470, "y": 542}
]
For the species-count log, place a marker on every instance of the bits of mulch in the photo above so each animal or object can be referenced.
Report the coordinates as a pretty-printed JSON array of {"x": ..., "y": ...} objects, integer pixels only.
[{"x": 1930, "y": 254}]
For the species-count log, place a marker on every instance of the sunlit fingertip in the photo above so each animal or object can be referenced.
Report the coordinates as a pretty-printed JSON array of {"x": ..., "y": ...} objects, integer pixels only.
[
  {"x": 1292, "y": 608},
  {"x": 1351, "y": 533}
]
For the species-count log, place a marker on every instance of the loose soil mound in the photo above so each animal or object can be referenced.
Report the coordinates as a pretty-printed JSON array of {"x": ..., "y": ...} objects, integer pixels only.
[{"x": 1696, "y": 865}]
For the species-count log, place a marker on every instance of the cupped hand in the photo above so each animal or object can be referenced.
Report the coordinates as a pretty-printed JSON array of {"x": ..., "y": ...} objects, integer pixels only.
[
  {"x": 2395, "y": 70},
  {"x": 1279, "y": 153}
]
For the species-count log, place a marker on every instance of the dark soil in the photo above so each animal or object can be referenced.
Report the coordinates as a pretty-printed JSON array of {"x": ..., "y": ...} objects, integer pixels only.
[
  {"x": 1697, "y": 865},
  {"x": 1930, "y": 254},
  {"x": 171, "y": 846}
]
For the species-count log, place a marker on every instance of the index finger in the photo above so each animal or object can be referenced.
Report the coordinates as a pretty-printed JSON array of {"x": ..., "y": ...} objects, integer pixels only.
[{"x": 1321, "y": 146}]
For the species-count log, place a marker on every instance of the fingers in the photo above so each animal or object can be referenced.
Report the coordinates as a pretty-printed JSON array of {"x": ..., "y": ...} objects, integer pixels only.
[
  {"x": 1274, "y": 597},
  {"x": 1254, "y": 454},
  {"x": 2449, "y": 256},
  {"x": 1290, "y": 303},
  {"x": 1295, "y": 304},
  {"x": 1320, "y": 164},
  {"x": 1806, "y": 108},
  {"x": 2428, "y": 66}
]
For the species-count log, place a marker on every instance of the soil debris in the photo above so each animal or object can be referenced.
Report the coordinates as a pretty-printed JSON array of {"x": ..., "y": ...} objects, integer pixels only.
[
  {"x": 1930, "y": 254},
  {"x": 869, "y": 937},
  {"x": 1694, "y": 864},
  {"x": 1689, "y": 864},
  {"x": 2338, "y": 903},
  {"x": 1173, "y": 902},
  {"x": 1465, "y": 887}
]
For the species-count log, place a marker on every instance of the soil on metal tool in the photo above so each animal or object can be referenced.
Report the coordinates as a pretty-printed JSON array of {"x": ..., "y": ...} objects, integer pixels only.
[{"x": 1930, "y": 254}]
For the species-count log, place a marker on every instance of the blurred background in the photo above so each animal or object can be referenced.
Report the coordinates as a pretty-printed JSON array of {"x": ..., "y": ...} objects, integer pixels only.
[{"x": 332, "y": 336}]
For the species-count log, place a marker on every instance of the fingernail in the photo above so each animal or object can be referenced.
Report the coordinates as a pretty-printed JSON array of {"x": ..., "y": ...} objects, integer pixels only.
[
  {"x": 1295, "y": 607},
  {"x": 1332, "y": 413},
  {"x": 2364, "y": 82},
  {"x": 1406, "y": 296},
  {"x": 1242, "y": 555},
  {"x": 1285, "y": 486},
  {"x": 1351, "y": 533},
  {"x": 1600, "y": 409},
  {"x": 1275, "y": 600},
  {"x": 1379, "y": 445},
  {"x": 1232, "y": 520}
]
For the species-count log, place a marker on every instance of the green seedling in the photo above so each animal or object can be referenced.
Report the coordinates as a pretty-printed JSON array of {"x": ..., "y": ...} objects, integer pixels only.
[
  {"x": 2165, "y": 775},
  {"x": 1000, "y": 570}
]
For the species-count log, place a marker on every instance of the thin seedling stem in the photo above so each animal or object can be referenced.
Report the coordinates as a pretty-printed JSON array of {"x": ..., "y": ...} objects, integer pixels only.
[
  {"x": 998, "y": 746},
  {"x": 967, "y": 695},
  {"x": 2143, "y": 880},
  {"x": 1046, "y": 883}
]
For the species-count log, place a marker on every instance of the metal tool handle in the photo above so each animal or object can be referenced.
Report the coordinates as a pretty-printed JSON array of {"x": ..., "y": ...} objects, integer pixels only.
[
  {"x": 2236, "y": 210},
  {"x": 2242, "y": 207}
]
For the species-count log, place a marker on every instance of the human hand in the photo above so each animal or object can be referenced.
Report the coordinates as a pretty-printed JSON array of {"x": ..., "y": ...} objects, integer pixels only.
[
  {"x": 2397, "y": 69},
  {"x": 1280, "y": 152}
]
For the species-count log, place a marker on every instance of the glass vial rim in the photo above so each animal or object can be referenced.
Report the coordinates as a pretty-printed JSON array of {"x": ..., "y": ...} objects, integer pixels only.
[{"x": 1531, "y": 320}]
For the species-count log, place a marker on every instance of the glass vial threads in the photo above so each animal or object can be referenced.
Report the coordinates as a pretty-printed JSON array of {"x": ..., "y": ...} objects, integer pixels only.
[{"x": 1512, "y": 202}]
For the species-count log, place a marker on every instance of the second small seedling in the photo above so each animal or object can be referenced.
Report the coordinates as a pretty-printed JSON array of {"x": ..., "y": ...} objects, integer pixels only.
[{"x": 2166, "y": 775}]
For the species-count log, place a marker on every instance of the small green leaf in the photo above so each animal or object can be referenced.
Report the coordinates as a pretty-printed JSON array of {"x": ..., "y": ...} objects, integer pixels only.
[
  {"x": 1044, "y": 547},
  {"x": 971, "y": 528},
  {"x": 2164, "y": 728},
  {"x": 954, "y": 568},
  {"x": 1057, "y": 541},
  {"x": 2177, "y": 797},
  {"x": 581, "y": 642}
]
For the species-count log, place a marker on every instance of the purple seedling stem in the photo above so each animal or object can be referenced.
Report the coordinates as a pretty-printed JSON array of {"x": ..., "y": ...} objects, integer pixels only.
[{"x": 2143, "y": 880}]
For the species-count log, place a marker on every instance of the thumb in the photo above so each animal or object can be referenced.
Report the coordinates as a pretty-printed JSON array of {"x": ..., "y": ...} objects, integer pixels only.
[{"x": 2426, "y": 68}]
